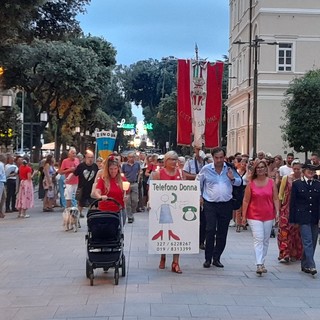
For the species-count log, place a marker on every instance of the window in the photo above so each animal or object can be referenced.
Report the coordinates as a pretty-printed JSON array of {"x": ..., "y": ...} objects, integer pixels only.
[{"x": 285, "y": 57}]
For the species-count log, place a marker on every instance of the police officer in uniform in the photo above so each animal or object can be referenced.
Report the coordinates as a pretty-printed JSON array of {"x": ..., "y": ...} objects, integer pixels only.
[{"x": 305, "y": 211}]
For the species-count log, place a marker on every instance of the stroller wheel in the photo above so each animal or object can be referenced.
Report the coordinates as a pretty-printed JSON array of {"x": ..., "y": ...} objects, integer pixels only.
[
  {"x": 123, "y": 266},
  {"x": 116, "y": 276},
  {"x": 88, "y": 269},
  {"x": 91, "y": 279}
]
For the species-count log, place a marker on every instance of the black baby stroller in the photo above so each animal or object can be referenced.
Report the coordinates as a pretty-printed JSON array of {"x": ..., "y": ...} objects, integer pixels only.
[{"x": 105, "y": 241}]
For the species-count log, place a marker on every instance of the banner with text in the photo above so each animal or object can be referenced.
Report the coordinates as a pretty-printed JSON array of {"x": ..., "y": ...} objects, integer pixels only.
[
  {"x": 199, "y": 102},
  {"x": 105, "y": 142},
  {"x": 174, "y": 217}
]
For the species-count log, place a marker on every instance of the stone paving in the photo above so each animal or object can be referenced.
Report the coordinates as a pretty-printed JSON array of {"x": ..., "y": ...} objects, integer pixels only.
[{"x": 42, "y": 276}]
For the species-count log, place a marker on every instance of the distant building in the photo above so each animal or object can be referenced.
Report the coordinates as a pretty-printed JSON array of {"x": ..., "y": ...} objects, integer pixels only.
[{"x": 296, "y": 30}]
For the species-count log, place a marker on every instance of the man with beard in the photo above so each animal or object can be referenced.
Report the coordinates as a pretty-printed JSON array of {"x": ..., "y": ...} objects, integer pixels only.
[{"x": 286, "y": 169}]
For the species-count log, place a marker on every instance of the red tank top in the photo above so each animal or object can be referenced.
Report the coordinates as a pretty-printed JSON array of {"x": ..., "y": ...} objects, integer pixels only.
[
  {"x": 165, "y": 176},
  {"x": 261, "y": 206}
]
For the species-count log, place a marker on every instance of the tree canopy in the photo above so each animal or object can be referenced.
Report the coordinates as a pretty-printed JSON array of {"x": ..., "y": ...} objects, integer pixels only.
[
  {"x": 64, "y": 79},
  {"x": 301, "y": 113},
  {"x": 24, "y": 20},
  {"x": 147, "y": 83}
]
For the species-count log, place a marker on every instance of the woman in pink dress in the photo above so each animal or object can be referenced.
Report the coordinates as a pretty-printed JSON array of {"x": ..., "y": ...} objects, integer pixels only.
[
  {"x": 259, "y": 208},
  {"x": 25, "y": 195},
  {"x": 169, "y": 171}
]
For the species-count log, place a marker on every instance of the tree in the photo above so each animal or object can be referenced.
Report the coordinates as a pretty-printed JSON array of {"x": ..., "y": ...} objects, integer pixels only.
[
  {"x": 145, "y": 83},
  {"x": 12, "y": 27},
  {"x": 165, "y": 124},
  {"x": 301, "y": 113},
  {"x": 59, "y": 77},
  {"x": 56, "y": 20},
  {"x": 25, "y": 20}
]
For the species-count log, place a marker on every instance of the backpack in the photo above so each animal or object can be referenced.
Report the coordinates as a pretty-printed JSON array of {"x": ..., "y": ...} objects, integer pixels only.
[{"x": 237, "y": 191}]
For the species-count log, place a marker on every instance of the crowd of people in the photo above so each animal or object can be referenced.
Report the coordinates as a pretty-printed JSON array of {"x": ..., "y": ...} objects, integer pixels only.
[{"x": 273, "y": 191}]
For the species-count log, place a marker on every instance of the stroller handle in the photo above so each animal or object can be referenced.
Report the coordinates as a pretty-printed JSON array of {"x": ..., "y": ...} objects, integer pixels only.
[{"x": 95, "y": 202}]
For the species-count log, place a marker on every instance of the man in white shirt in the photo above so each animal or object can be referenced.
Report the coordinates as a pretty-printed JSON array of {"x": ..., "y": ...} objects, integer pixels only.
[{"x": 286, "y": 169}]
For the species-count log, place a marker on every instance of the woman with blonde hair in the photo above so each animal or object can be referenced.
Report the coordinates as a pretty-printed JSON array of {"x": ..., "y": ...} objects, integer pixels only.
[
  {"x": 169, "y": 171},
  {"x": 260, "y": 207},
  {"x": 110, "y": 185}
]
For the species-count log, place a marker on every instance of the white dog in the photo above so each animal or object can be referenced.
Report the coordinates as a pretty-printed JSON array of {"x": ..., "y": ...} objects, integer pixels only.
[{"x": 71, "y": 219}]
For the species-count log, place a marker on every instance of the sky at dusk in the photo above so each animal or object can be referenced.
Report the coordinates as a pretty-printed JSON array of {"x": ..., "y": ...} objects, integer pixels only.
[{"x": 145, "y": 29}]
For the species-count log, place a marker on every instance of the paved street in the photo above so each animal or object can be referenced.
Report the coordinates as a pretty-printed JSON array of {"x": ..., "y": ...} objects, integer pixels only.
[{"x": 43, "y": 277}]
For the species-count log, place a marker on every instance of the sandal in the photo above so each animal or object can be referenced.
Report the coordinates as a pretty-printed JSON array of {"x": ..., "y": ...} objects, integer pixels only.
[
  {"x": 162, "y": 264},
  {"x": 175, "y": 267}
]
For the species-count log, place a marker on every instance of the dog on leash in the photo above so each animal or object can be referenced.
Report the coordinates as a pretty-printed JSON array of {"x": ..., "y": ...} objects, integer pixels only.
[{"x": 71, "y": 219}]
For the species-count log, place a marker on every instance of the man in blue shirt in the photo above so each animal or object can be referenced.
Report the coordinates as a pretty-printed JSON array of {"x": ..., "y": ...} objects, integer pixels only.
[{"x": 216, "y": 182}]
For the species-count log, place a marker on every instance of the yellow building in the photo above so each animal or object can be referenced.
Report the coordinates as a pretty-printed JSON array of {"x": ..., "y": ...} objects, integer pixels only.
[{"x": 285, "y": 35}]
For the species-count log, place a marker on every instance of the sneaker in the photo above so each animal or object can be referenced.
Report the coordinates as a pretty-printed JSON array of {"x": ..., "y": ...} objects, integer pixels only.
[
  {"x": 313, "y": 271},
  {"x": 26, "y": 216},
  {"x": 81, "y": 215},
  {"x": 264, "y": 270},
  {"x": 130, "y": 220},
  {"x": 202, "y": 246},
  {"x": 232, "y": 223},
  {"x": 284, "y": 260},
  {"x": 259, "y": 269}
]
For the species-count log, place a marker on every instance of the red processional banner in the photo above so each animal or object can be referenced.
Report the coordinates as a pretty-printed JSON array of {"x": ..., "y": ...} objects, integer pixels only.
[{"x": 199, "y": 102}]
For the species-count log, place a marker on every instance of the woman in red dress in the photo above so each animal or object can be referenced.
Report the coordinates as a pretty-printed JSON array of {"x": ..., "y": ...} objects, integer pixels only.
[{"x": 170, "y": 171}]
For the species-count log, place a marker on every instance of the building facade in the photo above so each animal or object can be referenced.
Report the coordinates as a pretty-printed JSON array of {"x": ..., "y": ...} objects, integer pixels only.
[{"x": 286, "y": 39}]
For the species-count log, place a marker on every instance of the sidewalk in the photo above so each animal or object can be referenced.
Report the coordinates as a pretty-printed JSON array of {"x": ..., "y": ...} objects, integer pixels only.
[{"x": 43, "y": 277}]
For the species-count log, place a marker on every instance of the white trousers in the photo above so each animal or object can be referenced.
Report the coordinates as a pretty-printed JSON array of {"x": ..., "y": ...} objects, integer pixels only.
[{"x": 261, "y": 231}]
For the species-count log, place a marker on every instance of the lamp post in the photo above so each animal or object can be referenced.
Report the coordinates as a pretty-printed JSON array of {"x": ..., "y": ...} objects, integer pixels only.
[
  {"x": 255, "y": 44},
  {"x": 43, "y": 119}
]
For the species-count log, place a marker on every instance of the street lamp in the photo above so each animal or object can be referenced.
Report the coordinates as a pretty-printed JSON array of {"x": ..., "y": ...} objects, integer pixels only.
[
  {"x": 43, "y": 119},
  {"x": 6, "y": 101},
  {"x": 255, "y": 44}
]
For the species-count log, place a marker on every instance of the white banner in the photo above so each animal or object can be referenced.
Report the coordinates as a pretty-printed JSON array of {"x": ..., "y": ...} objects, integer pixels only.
[{"x": 174, "y": 217}]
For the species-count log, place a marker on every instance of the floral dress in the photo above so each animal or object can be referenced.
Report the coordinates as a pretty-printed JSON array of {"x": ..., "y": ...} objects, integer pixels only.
[{"x": 289, "y": 240}]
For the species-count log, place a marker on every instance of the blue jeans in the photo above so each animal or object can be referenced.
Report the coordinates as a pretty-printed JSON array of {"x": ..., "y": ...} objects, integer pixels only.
[
  {"x": 63, "y": 202},
  {"x": 309, "y": 236}
]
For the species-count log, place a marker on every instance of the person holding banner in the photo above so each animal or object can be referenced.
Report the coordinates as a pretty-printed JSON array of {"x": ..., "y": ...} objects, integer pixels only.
[
  {"x": 169, "y": 171},
  {"x": 216, "y": 182}
]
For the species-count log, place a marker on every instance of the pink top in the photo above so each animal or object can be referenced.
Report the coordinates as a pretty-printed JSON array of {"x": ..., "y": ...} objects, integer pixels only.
[
  {"x": 67, "y": 164},
  {"x": 261, "y": 206}
]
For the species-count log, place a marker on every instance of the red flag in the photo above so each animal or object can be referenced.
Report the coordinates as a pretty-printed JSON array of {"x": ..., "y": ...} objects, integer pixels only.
[
  {"x": 199, "y": 102},
  {"x": 184, "y": 126}
]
